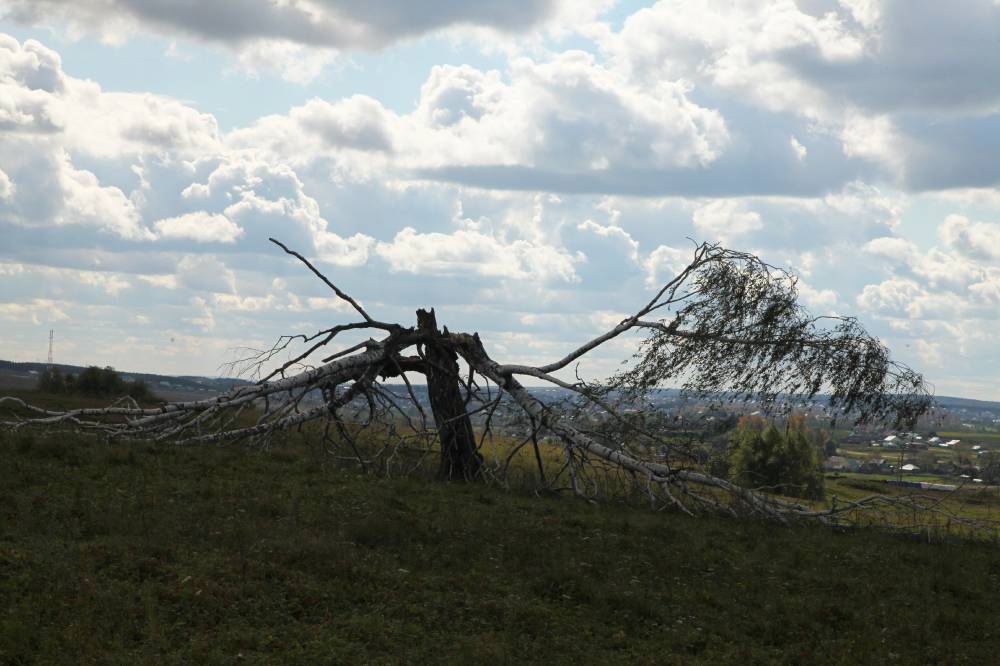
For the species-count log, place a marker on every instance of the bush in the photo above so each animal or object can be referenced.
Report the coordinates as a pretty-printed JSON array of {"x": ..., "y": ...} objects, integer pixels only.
[
  {"x": 52, "y": 381},
  {"x": 989, "y": 467},
  {"x": 764, "y": 457},
  {"x": 94, "y": 382}
]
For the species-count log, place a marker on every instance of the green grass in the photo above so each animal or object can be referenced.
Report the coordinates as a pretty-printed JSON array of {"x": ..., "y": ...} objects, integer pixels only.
[
  {"x": 160, "y": 554},
  {"x": 970, "y": 436}
]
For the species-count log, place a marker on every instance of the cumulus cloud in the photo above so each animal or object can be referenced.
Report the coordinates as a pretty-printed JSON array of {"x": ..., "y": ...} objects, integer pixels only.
[
  {"x": 111, "y": 284},
  {"x": 38, "y": 311},
  {"x": 205, "y": 273},
  {"x": 517, "y": 181},
  {"x": 288, "y": 60},
  {"x": 899, "y": 297},
  {"x": 465, "y": 253},
  {"x": 858, "y": 71},
  {"x": 568, "y": 114},
  {"x": 37, "y": 98},
  {"x": 32, "y": 64},
  {"x": 203, "y": 317},
  {"x": 334, "y": 23},
  {"x": 54, "y": 122},
  {"x": 957, "y": 283},
  {"x": 975, "y": 239},
  {"x": 358, "y": 122},
  {"x": 6, "y": 186},
  {"x": 864, "y": 200},
  {"x": 88, "y": 202},
  {"x": 725, "y": 219},
  {"x": 201, "y": 227},
  {"x": 797, "y": 148},
  {"x": 818, "y": 300},
  {"x": 297, "y": 39},
  {"x": 664, "y": 262},
  {"x": 51, "y": 191}
]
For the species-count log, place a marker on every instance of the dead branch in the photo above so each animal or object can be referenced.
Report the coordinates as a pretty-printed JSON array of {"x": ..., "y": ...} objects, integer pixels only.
[{"x": 730, "y": 327}]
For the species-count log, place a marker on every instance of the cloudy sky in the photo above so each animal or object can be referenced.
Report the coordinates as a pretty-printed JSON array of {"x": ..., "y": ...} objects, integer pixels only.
[{"x": 530, "y": 168}]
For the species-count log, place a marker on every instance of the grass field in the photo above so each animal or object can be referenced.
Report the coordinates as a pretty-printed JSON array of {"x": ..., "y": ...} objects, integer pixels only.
[
  {"x": 973, "y": 436},
  {"x": 160, "y": 554}
]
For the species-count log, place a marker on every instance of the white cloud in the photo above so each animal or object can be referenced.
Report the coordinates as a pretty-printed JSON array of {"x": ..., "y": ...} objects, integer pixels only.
[
  {"x": 204, "y": 316},
  {"x": 205, "y": 273},
  {"x": 297, "y": 39},
  {"x": 357, "y": 122},
  {"x": 333, "y": 23},
  {"x": 290, "y": 61},
  {"x": 54, "y": 123},
  {"x": 664, "y": 262},
  {"x": 201, "y": 227},
  {"x": 570, "y": 112},
  {"x": 893, "y": 249},
  {"x": 930, "y": 353},
  {"x": 7, "y": 188},
  {"x": 859, "y": 199},
  {"x": 821, "y": 301},
  {"x": 85, "y": 201},
  {"x": 471, "y": 253},
  {"x": 866, "y": 12},
  {"x": 897, "y": 297},
  {"x": 110, "y": 283},
  {"x": 797, "y": 148},
  {"x": 739, "y": 122},
  {"x": 32, "y": 64},
  {"x": 980, "y": 240},
  {"x": 161, "y": 281},
  {"x": 962, "y": 284},
  {"x": 37, "y": 311},
  {"x": 874, "y": 138},
  {"x": 725, "y": 219},
  {"x": 612, "y": 235},
  {"x": 862, "y": 73}
]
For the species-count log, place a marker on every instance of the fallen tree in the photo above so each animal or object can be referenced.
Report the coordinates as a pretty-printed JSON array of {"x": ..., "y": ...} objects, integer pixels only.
[{"x": 727, "y": 326}]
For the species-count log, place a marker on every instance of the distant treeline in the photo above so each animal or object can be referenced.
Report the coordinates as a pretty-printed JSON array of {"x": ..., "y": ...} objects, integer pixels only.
[{"x": 93, "y": 381}]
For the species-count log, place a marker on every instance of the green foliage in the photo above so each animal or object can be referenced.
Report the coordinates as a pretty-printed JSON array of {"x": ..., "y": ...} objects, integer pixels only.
[
  {"x": 53, "y": 381},
  {"x": 94, "y": 382},
  {"x": 217, "y": 555},
  {"x": 738, "y": 330},
  {"x": 785, "y": 462},
  {"x": 989, "y": 467},
  {"x": 826, "y": 442}
]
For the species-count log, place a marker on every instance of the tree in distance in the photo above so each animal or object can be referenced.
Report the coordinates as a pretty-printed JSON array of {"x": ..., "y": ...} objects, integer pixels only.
[
  {"x": 728, "y": 327},
  {"x": 93, "y": 382},
  {"x": 762, "y": 456}
]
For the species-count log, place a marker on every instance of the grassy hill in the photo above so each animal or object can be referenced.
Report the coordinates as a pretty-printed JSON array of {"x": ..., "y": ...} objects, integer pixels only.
[
  {"x": 164, "y": 554},
  {"x": 24, "y": 376}
]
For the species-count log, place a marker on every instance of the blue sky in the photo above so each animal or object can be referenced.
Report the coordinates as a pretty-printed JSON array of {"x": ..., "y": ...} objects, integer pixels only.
[{"x": 532, "y": 169}]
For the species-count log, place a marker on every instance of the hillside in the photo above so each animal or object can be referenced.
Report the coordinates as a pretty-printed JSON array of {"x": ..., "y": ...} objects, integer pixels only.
[
  {"x": 15, "y": 375},
  {"x": 163, "y": 554},
  {"x": 25, "y": 376}
]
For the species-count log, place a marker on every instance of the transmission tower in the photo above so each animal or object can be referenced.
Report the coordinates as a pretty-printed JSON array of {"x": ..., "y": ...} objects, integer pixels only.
[{"x": 51, "y": 334}]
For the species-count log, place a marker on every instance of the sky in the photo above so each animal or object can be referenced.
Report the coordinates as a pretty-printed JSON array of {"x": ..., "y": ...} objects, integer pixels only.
[{"x": 531, "y": 169}]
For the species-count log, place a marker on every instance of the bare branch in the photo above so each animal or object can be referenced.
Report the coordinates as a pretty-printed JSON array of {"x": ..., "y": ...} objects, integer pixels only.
[
  {"x": 727, "y": 326},
  {"x": 371, "y": 322}
]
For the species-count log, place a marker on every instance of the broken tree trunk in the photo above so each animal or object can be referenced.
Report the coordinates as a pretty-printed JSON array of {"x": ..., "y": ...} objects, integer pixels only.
[
  {"x": 460, "y": 459},
  {"x": 731, "y": 329}
]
